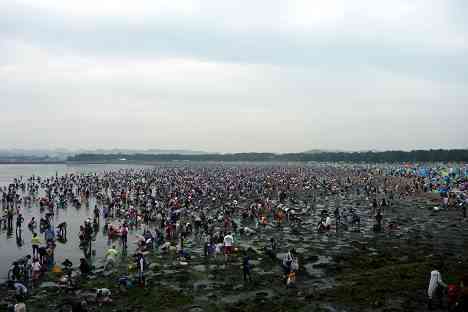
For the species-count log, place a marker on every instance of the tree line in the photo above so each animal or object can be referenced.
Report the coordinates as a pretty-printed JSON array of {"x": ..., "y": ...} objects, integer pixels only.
[{"x": 439, "y": 155}]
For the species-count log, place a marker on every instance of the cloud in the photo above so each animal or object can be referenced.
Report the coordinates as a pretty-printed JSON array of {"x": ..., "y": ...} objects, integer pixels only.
[{"x": 233, "y": 76}]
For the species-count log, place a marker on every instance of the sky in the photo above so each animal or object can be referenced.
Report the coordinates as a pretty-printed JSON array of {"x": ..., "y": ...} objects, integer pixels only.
[{"x": 234, "y": 76}]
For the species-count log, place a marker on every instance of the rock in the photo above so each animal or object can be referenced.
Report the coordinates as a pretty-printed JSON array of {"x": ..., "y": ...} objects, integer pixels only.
[
  {"x": 312, "y": 259},
  {"x": 194, "y": 309},
  {"x": 49, "y": 285},
  {"x": 200, "y": 268},
  {"x": 99, "y": 271},
  {"x": 211, "y": 296},
  {"x": 238, "y": 287},
  {"x": 301, "y": 250},
  {"x": 107, "y": 273}
]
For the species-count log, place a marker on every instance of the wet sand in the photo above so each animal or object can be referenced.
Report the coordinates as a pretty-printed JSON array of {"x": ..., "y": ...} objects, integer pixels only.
[{"x": 348, "y": 270}]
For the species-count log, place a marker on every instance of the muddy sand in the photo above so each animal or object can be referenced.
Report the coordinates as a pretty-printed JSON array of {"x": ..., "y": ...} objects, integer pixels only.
[{"x": 352, "y": 270}]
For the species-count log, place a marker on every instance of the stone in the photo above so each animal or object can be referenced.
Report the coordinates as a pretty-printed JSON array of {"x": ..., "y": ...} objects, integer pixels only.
[
  {"x": 199, "y": 268},
  {"x": 49, "y": 285}
]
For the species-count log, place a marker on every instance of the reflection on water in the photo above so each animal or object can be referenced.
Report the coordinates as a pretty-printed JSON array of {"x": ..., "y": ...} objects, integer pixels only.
[{"x": 13, "y": 247}]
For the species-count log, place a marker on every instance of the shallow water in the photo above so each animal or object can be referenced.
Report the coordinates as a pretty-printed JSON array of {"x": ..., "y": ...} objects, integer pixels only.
[{"x": 10, "y": 250}]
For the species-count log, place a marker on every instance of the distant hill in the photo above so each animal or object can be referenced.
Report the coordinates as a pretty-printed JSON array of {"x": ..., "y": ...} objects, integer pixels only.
[
  {"x": 63, "y": 154},
  {"x": 144, "y": 152},
  {"x": 320, "y": 151}
]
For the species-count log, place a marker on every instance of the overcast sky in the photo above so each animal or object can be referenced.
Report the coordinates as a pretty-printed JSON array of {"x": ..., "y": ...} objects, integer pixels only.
[{"x": 234, "y": 76}]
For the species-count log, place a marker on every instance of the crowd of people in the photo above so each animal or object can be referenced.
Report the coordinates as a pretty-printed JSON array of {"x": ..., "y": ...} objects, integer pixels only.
[{"x": 212, "y": 206}]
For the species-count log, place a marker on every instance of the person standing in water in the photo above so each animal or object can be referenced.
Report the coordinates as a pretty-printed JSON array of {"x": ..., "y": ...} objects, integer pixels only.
[
  {"x": 228, "y": 246},
  {"x": 337, "y": 218},
  {"x": 19, "y": 224},
  {"x": 246, "y": 267},
  {"x": 124, "y": 236},
  {"x": 378, "y": 220},
  {"x": 35, "y": 242}
]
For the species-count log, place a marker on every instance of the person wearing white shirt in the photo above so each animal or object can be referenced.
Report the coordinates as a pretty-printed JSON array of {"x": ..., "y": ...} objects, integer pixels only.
[
  {"x": 36, "y": 270},
  {"x": 228, "y": 245},
  {"x": 435, "y": 287},
  {"x": 328, "y": 223}
]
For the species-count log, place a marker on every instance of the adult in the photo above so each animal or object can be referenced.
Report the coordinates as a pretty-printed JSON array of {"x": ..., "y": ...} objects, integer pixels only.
[
  {"x": 35, "y": 242},
  {"x": 85, "y": 268},
  {"x": 111, "y": 256},
  {"x": 435, "y": 289},
  {"x": 124, "y": 236},
  {"x": 228, "y": 245}
]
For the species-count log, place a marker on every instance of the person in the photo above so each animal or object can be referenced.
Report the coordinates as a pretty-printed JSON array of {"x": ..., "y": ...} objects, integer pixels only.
[
  {"x": 324, "y": 224},
  {"x": 35, "y": 242},
  {"x": 435, "y": 288},
  {"x": 20, "y": 306},
  {"x": 85, "y": 268},
  {"x": 112, "y": 252},
  {"x": 462, "y": 300},
  {"x": 228, "y": 245},
  {"x": 42, "y": 255},
  {"x": 206, "y": 243},
  {"x": 103, "y": 295},
  {"x": 27, "y": 266},
  {"x": 36, "y": 270},
  {"x": 103, "y": 292},
  {"x": 355, "y": 219},
  {"x": 337, "y": 218},
  {"x": 290, "y": 262},
  {"x": 10, "y": 218},
  {"x": 16, "y": 271},
  {"x": 149, "y": 239},
  {"x": 246, "y": 267},
  {"x": 20, "y": 290},
  {"x": 49, "y": 235},
  {"x": 50, "y": 256},
  {"x": 378, "y": 220},
  {"x": 445, "y": 198},
  {"x": 273, "y": 244},
  {"x": 19, "y": 224},
  {"x": 375, "y": 205},
  {"x": 453, "y": 293},
  {"x": 96, "y": 213},
  {"x": 32, "y": 223},
  {"x": 464, "y": 204},
  {"x": 43, "y": 223},
  {"x": 141, "y": 268},
  {"x": 328, "y": 222},
  {"x": 62, "y": 230},
  {"x": 111, "y": 256},
  {"x": 67, "y": 263},
  {"x": 124, "y": 235},
  {"x": 124, "y": 282}
]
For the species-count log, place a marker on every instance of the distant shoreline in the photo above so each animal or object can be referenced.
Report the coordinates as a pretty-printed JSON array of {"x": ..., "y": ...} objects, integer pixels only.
[
  {"x": 395, "y": 157},
  {"x": 32, "y": 162}
]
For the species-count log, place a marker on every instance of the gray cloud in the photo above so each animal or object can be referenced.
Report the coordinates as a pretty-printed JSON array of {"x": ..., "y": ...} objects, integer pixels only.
[{"x": 202, "y": 75}]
